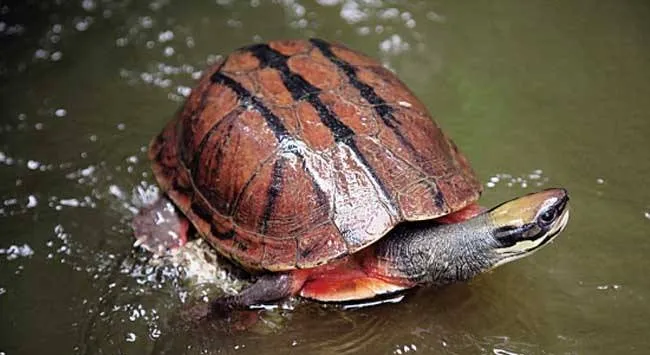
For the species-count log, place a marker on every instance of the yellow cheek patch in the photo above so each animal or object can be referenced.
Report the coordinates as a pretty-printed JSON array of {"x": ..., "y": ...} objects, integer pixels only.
[
  {"x": 521, "y": 247},
  {"x": 525, "y": 247},
  {"x": 524, "y": 209}
]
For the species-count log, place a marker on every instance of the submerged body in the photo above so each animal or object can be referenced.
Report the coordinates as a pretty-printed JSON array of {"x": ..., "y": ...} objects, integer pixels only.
[{"x": 313, "y": 165}]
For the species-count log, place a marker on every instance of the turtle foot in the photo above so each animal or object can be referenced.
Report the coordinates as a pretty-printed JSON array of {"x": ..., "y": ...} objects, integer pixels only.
[
  {"x": 159, "y": 227},
  {"x": 220, "y": 313}
]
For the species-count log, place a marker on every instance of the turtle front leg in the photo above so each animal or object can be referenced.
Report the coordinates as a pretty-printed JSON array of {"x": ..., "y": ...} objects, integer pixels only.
[
  {"x": 267, "y": 288},
  {"x": 159, "y": 227}
]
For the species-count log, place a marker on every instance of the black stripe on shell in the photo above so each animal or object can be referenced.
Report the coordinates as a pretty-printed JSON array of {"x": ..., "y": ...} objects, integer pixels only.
[
  {"x": 302, "y": 90},
  {"x": 247, "y": 99},
  {"x": 272, "y": 192},
  {"x": 230, "y": 120},
  {"x": 381, "y": 107}
]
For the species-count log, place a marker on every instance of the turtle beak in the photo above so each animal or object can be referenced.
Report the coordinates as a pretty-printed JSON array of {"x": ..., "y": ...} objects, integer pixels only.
[{"x": 525, "y": 224}]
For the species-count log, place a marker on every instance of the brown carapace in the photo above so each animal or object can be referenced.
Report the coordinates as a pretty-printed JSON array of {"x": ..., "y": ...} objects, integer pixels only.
[{"x": 290, "y": 154}]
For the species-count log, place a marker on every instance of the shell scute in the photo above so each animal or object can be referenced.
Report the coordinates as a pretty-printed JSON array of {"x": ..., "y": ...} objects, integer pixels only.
[
  {"x": 279, "y": 253},
  {"x": 313, "y": 131},
  {"x": 272, "y": 88},
  {"x": 241, "y": 61},
  {"x": 222, "y": 179},
  {"x": 290, "y": 47},
  {"x": 320, "y": 74}
]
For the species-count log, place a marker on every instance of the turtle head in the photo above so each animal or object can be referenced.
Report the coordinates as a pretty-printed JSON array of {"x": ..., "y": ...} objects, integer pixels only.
[
  {"x": 439, "y": 254},
  {"x": 525, "y": 224}
]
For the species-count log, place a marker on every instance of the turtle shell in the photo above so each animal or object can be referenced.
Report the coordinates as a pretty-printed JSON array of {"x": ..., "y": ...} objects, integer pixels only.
[{"x": 289, "y": 154}]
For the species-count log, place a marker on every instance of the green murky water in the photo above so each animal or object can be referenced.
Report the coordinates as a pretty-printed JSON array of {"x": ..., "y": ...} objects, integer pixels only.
[{"x": 536, "y": 93}]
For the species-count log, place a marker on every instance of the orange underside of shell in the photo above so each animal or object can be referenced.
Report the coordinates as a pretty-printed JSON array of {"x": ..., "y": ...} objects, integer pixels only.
[
  {"x": 346, "y": 280},
  {"x": 359, "y": 277}
]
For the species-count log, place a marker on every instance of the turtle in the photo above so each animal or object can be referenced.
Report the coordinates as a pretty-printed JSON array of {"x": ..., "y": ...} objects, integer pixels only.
[{"x": 314, "y": 168}]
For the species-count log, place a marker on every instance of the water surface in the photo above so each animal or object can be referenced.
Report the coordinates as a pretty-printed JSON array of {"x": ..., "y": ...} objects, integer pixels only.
[{"x": 536, "y": 93}]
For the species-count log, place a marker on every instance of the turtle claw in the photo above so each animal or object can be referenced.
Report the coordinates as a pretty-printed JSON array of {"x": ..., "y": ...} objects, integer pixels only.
[{"x": 155, "y": 247}]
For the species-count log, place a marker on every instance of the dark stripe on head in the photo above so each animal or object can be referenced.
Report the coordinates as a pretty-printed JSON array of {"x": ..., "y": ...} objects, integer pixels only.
[
  {"x": 510, "y": 235},
  {"x": 302, "y": 90},
  {"x": 274, "y": 189},
  {"x": 247, "y": 99}
]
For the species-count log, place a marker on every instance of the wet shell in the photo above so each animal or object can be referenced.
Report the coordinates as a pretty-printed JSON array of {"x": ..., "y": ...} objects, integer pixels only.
[{"x": 292, "y": 153}]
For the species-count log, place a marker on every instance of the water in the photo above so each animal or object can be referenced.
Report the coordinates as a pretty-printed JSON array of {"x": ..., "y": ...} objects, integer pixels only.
[{"x": 537, "y": 94}]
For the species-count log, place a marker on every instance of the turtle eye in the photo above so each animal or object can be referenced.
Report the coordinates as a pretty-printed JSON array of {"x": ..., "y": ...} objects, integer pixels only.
[{"x": 548, "y": 217}]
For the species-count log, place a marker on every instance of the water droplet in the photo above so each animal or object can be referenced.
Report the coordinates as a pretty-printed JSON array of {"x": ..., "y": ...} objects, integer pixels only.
[
  {"x": 394, "y": 45},
  {"x": 165, "y": 36},
  {"x": 87, "y": 171},
  {"x": 146, "y": 22},
  {"x": 56, "y": 56},
  {"x": 16, "y": 251},
  {"x": 41, "y": 53},
  {"x": 88, "y": 5},
  {"x": 31, "y": 201},
  {"x": 497, "y": 351},
  {"x": 32, "y": 164},
  {"x": 83, "y": 24},
  {"x": 168, "y": 52},
  {"x": 70, "y": 202},
  {"x": 184, "y": 91},
  {"x": 121, "y": 42},
  {"x": 155, "y": 333}
]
